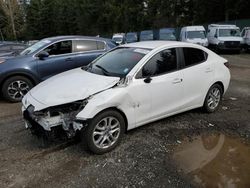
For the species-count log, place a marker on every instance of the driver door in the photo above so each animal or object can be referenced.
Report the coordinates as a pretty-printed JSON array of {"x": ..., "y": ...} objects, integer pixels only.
[
  {"x": 60, "y": 59},
  {"x": 161, "y": 87}
]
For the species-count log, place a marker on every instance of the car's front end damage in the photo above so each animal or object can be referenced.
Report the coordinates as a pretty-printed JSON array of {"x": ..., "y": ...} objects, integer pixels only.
[
  {"x": 51, "y": 108},
  {"x": 55, "y": 121}
]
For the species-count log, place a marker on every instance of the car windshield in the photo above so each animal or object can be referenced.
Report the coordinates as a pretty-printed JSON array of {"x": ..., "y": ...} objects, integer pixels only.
[
  {"x": 131, "y": 38},
  {"x": 118, "y": 62},
  {"x": 229, "y": 32},
  {"x": 167, "y": 36},
  {"x": 117, "y": 39},
  {"x": 196, "y": 35},
  {"x": 35, "y": 47}
]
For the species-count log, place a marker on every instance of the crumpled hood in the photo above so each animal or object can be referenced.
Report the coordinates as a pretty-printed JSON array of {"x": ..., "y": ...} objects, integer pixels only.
[{"x": 71, "y": 86}]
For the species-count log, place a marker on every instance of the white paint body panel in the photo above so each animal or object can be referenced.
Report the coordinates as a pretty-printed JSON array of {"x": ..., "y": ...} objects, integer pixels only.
[{"x": 140, "y": 102}]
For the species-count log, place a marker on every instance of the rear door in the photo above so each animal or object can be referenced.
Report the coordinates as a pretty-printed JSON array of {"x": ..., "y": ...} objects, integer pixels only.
[
  {"x": 60, "y": 59},
  {"x": 87, "y": 50},
  {"x": 198, "y": 74}
]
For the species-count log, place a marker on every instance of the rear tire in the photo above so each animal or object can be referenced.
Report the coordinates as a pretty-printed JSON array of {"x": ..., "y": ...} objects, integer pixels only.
[
  {"x": 213, "y": 98},
  {"x": 104, "y": 132},
  {"x": 14, "y": 88}
]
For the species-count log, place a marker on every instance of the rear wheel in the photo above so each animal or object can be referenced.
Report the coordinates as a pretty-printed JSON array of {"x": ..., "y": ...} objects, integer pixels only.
[
  {"x": 213, "y": 98},
  {"x": 14, "y": 88},
  {"x": 104, "y": 132}
]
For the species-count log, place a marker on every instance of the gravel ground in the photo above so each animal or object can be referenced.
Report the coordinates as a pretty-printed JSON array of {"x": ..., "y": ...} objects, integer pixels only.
[{"x": 144, "y": 158}]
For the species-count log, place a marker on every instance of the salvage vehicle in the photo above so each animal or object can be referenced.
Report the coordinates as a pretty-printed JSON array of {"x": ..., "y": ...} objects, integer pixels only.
[
  {"x": 194, "y": 34},
  {"x": 118, "y": 38},
  {"x": 131, "y": 37},
  {"x": 147, "y": 35},
  {"x": 10, "y": 49},
  {"x": 167, "y": 34},
  {"x": 47, "y": 58},
  {"x": 224, "y": 37},
  {"x": 132, "y": 85},
  {"x": 245, "y": 34}
]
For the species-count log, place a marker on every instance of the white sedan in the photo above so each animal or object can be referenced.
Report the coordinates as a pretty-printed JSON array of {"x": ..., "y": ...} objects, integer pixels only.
[{"x": 131, "y": 85}]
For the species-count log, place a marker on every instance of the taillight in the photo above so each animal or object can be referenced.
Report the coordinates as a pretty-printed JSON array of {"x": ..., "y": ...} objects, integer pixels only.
[{"x": 226, "y": 64}]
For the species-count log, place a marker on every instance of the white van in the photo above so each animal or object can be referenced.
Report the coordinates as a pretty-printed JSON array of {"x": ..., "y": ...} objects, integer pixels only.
[
  {"x": 194, "y": 34},
  {"x": 224, "y": 37},
  {"x": 119, "y": 38},
  {"x": 245, "y": 34}
]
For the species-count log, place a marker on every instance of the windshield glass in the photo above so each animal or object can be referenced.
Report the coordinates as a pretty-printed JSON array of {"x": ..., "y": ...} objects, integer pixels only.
[
  {"x": 117, "y": 39},
  {"x": 35, "y": 47},
  {"x": 131, "y": 38},
  {"x": 229, "y": 32},
  {"x": 196, "y": 35},
  {"x": 167, "y": 36},
  {"x": 146, "y": 36},
  {"x": 118, "y": 62}
]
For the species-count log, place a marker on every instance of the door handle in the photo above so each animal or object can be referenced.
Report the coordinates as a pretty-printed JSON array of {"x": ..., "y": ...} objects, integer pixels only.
[
  {"x": 68, "y": 59},
  {"x": 208, "y": 70},
  {"x": 177, "y": 80}
]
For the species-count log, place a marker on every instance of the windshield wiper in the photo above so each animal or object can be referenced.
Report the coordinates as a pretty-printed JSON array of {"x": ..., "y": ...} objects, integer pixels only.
[{"x": 103, "y": 69}]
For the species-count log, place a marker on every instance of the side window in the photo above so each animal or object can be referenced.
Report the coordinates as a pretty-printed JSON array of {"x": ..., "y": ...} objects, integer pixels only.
[
  {"x": 100, "y": 45},
  {"x": 63, "y": 47},
  {"x": 163, "y": 62},
  {"x": 194, "y": 56},
  {"x": 243, "y": 33},
  {"x": 84, "y": 45}
]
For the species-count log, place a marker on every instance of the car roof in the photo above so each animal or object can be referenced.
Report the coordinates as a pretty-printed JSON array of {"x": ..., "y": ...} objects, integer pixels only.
[
  {"x": 155, "y": 44},
  {"x": 69, "y": 37}
]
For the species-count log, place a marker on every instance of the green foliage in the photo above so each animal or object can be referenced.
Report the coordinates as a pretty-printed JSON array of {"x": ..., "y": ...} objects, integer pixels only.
[{"x": 103, "y": 17}]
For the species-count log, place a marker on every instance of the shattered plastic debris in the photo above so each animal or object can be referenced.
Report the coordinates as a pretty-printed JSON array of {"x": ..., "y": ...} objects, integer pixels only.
[
  {"x": 210, "y": 125},
  {"x": 233, "y": 98},
  {"x": 178, "y": 141},
  {"x": 224, "y": 108}
]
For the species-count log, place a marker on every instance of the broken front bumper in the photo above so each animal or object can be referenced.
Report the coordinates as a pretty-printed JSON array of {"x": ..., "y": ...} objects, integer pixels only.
[{"x": 44, "y": 124}]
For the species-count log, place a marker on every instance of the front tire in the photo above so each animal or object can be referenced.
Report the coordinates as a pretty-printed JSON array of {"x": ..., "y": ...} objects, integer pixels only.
[
  {"x": 14, "y": 88},
  {"x": 213, "y": 98},
  {"x": 104, "y": 132}
]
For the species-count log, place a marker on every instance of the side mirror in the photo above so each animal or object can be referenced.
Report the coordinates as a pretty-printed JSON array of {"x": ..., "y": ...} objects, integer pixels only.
[{"x": 42, "y": 55}]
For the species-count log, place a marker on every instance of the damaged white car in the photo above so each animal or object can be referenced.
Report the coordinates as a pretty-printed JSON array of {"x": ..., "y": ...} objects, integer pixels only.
[{"x": 129, "y": 86}]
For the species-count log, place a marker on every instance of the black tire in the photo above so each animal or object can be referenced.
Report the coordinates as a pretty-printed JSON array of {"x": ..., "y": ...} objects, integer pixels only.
[
  {"x": 11, "y": 80},
  {"x": 206, "y": 106},
  {"x": 87, "y": 134}
]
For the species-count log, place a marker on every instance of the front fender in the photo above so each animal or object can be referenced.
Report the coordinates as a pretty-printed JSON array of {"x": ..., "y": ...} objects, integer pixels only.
[{"x": 111, "y": 98}]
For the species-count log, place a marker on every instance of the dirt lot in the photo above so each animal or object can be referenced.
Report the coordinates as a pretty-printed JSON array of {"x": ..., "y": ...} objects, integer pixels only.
[{"x": 148, "y": 156}]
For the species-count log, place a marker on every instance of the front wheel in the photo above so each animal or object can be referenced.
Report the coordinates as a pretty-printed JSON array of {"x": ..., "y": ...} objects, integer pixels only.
[
  {"x": 104, "y": 132},
  {"x": 14, "y": 88},
  {"x": 213, "y": 98}
]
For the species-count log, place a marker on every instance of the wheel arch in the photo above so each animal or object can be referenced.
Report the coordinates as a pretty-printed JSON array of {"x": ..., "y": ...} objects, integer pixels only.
[
  {"x": 26, "y": 75},
  {"x": 119, "y": 111}
]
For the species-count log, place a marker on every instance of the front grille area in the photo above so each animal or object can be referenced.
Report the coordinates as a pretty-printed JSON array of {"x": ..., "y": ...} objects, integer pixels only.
[
  {"x": 36, "y": 129},
  {"x": 232, "y": 44}
]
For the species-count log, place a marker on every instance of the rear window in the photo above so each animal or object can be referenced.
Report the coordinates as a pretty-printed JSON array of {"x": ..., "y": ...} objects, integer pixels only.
[
  {"x": 194, "y": 56},
  {"x": 84, "y": 45}
]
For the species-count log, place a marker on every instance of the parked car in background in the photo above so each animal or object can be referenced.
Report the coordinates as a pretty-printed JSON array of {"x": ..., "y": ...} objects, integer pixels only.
[
  {"x": 224, "y": 37},
  {"x": 194, "y": 34},
  {"x": 47, "y": 58},
  {"x": 130, "y": 86},
  {"x": 119, "y": 38},
  {"x": 167, "y": 34},
  {"x": 131, "y": 37},
  {"x": 146, "y": 35},
  {"x": 245, "y": 34},
  {"x": 9, "y": 49}
]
